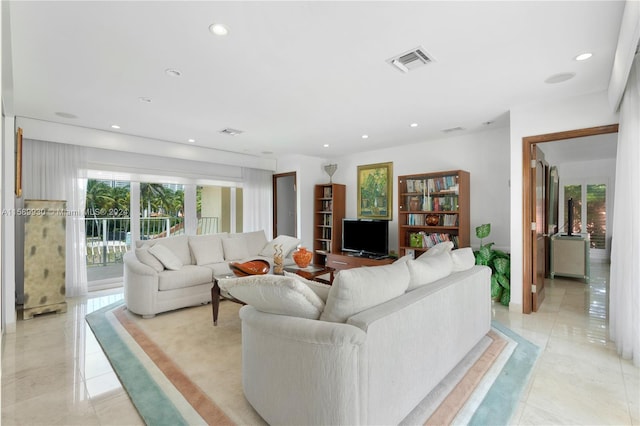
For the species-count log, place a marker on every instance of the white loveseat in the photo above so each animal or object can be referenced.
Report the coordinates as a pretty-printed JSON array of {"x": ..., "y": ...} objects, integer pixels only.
[
  {"x": 362, "y": 362},
  {"x": 176, "y": 272}
]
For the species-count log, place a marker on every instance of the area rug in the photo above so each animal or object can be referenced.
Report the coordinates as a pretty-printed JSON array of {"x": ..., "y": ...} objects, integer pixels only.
[{"x": 179, "y": 369}]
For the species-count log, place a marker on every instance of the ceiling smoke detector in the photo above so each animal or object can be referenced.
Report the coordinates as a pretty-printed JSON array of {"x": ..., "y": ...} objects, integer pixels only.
[
  {"x": 230, "y": 131},
  {"x": 410, "y": 60}
]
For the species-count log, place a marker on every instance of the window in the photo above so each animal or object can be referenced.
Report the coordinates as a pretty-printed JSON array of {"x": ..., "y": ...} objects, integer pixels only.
[
  {"x": 589, "y": 217},
  {"x": 161, "y": 210},
  {"x": 219, "y": 209}
]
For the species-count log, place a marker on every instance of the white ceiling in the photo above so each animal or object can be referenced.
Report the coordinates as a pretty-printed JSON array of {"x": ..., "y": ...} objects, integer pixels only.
[{"x": 294, "y": 76}]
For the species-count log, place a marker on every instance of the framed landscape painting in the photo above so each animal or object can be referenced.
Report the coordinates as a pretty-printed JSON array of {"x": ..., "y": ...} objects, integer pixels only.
[{"x": 375, "y": 191}]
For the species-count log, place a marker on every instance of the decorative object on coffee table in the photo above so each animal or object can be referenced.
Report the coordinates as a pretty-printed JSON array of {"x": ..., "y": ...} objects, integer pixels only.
[
  {"x": 278, "y": 260},
  {"x": 252, "y": 267},
  {"x": 302, "y": 257}
]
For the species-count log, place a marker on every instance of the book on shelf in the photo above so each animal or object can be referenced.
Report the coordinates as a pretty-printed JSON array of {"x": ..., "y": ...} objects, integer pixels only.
[
  {"x": 327, "y": 192},
  {"x": 326, "y": 233},
  {"x": 428, "y": 240},
  {"x": 327, "y": 219},
  {"x": 327, "y": 205}
]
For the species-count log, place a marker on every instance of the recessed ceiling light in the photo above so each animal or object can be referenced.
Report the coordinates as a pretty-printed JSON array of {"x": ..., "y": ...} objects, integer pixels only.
[
  {"x": 172, "y": 72},
  {"x": 191, "y": 140},
  {"x": 365, "y": 136},
  {"x": 583, "y": 56},
  {"x": 145, "y": 99},
  {"x": 413, "y": 124},
  {"x": 115, "y": 126},
  {"x": 326, "y": 145},
  {"x": 66, "y": 115},
  {"x": 559, "y": 78},
  {"x": 218, "y": 29}
]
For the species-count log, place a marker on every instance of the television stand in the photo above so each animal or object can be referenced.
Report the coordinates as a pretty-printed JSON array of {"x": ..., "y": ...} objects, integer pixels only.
[{"x": 340, "y": 261}]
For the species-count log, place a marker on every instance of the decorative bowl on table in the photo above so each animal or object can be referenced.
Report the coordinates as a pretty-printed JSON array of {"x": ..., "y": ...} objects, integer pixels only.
[
  {"x": 302, "y": 257},
  {"x": 252, "y": 267}
]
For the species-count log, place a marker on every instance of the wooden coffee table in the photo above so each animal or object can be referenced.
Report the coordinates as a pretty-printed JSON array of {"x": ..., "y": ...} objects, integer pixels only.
[{"x": 312, "y": 272}]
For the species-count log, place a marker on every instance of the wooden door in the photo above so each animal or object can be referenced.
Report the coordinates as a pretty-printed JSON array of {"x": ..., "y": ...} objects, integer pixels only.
[{"x": 538, "y": 238}]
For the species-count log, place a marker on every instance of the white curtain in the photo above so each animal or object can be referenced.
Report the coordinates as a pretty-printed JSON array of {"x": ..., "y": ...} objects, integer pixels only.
[
  {"x": 624, "y": 302},
  {"x": 54, "y": 171},
  {"x": 257, "y": 202}
]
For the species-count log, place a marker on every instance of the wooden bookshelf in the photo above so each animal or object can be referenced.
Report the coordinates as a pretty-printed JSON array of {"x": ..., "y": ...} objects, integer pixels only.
[
  {"x": 433, "y": 207},
  {"x": 329, "y": 210}
]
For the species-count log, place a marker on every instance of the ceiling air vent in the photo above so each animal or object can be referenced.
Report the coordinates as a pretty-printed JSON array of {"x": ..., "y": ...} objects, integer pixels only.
[
  {"x": 453, "y": 129},
  {"x": 410, "y": 60},
  {"x": 230, "y": 131}
]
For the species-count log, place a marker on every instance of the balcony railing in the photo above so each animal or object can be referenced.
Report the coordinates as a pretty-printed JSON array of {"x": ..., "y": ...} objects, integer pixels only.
[{"x": 108, "y": 239}]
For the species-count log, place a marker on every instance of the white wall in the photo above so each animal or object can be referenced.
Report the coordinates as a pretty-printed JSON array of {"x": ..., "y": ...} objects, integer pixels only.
[
  {"x": 485, "y": 155},
  {"x": 535, "y": 119}
]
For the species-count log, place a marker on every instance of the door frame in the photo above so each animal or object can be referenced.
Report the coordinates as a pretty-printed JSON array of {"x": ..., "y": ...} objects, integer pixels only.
[
  {"x": 528, "y": 187},
  {"x": 274, "y": 185}
]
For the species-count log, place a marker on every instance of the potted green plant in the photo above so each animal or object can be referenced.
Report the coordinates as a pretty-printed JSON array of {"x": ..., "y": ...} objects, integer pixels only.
[{"x": 500, "y": 264}]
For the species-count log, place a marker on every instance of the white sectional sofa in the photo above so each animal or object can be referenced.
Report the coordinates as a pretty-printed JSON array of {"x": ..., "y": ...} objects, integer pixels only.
[
  {"x": 382, "y": 340},
  {"x": 175, "y": 272}
]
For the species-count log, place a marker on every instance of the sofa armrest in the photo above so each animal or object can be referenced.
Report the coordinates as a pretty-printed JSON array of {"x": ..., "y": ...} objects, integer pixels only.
[
  {"x": 289, "y": 364},
  {"x": 135, "y": 266},
  {"x": 140, "y": 286}
]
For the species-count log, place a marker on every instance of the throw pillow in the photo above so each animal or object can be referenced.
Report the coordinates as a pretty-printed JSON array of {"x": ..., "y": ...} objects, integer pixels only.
[
  {"x": 445, "y": 246},
  {"x": 425, "y": 270},
  {"x": 166, "y": 257},
  {"x": 235, "y": 248},
  {"x": 178, "y": 245},
  {"x": 148, "y": 259},
  {"x": 276, "y": 294},
  {"x": 463, "y": 259},
  {"x": 207, "y": 249},
  {"x": 255, "y": 241},
  {"x": 322, "y": 290},
  {"x": 288, "y": 244},
  {"x": 357, "y": 289}
]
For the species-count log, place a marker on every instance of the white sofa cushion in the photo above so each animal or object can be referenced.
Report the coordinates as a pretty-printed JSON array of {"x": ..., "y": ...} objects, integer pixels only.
[
  {"x": 288, "y": 244},
  {"x": 166, "y": 257},
  {"x": 427, "y": 269},
  {"x": 255, "y": 241},
  {"x": 148, "y": 259},
  {"x": 275, "y": 294},
  {"x": 463, "y": 259},
  {"x": 187, "y": 276},
  {"x": 235, "y": 248},
  {"x": 357, "y": 289},
  {"x": 179, "y": 245},
  {"x": 439, "y": 248},
  {"x": 207, "y": 248},
  {"x": 322, "y": 290}
]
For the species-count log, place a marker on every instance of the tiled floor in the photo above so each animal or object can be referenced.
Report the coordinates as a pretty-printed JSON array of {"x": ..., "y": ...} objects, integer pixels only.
[{"x": 54, "y": 372}]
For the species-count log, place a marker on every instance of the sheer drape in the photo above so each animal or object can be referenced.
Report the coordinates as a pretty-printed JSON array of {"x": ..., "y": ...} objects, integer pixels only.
[
  {"x": 257, "y": 200},
  {"x": 624, "y": 302},
  {"x": 54, "y": 171}
]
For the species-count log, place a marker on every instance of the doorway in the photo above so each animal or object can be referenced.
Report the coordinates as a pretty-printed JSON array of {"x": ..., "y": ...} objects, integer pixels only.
[
  {"x": 285, "y": 216},
  {"x": 529, "y": 233}
]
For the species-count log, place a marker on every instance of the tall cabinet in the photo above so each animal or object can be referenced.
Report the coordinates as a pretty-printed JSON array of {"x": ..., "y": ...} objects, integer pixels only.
[
  {"x": 433, "y": 207},
  {"x": 44, "y": 257},
  {"x": 329, "y": 210}
]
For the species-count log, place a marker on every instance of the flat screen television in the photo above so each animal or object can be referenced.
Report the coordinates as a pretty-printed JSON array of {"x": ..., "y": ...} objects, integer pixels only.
[{"x": 365, "y": 237}]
